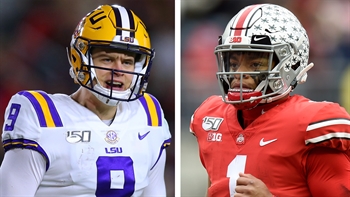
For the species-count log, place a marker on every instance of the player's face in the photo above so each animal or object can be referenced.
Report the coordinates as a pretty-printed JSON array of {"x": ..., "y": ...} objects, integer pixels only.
[
  {"x": 247, "y": 62},
  {"x": 112, "y": 59}
]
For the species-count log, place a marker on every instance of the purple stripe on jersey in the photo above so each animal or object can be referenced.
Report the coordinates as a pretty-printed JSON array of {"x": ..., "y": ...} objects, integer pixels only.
[
  {"x": 158, "y": 109},
  {"x": 145, "y": 106},
  {"x": 165, "y": 144},
  {"x": 54, "y": 113},
  {"x": 37, "y": 107},
  {"x": 26, "y": 144}
]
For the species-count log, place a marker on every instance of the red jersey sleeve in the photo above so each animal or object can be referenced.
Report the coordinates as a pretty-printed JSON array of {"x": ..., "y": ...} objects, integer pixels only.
[
  {"x": 329, "y": 127},
  {"x": 220, "y": 188},
  {"x": 328, "y": 172}
]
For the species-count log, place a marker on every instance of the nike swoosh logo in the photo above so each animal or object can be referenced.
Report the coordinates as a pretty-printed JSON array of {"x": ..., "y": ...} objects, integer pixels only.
[
  {"x": 263, "y": 143},
  {"x": 143, "y": 136},
  {"x": 257, "y": 39}
]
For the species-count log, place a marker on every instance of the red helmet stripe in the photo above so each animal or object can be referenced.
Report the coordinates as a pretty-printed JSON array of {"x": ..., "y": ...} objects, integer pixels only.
[{"x": 242, "y": 18}]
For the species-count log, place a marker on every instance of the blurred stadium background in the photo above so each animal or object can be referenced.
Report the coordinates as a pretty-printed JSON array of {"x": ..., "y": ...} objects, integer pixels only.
[
  {"x": 202, "y": 21},
  {"x": 33, "y": 37}
]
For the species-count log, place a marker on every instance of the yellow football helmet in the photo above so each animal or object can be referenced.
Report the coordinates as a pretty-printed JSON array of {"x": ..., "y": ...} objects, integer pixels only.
[{"x": 110, "y": 26}]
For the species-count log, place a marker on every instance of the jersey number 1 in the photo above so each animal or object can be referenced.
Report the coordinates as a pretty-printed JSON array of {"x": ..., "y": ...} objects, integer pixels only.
[{"x": 236, "y": 166}]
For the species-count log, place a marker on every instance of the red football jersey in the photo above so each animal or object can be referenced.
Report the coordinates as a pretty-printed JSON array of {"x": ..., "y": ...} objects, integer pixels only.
[{"x": 284, "y": 147}]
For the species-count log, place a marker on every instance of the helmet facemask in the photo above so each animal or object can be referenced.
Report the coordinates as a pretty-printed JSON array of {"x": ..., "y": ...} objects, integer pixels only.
[
  {"x": 234, "y": 89},
  {"x": 86, "y": 76}
]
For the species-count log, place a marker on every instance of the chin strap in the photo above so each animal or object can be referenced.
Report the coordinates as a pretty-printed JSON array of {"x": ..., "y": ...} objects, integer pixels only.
[{"x": 279, "y": 96}]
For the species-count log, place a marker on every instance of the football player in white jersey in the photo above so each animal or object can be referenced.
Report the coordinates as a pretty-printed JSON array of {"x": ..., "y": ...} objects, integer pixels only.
[{"x": 106, "y": 139}]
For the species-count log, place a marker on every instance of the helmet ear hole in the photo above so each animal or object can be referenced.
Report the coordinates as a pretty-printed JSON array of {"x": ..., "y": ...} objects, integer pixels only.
[
  {"x": 294, "y": 83},
  {"x": 296, "y": 66}
]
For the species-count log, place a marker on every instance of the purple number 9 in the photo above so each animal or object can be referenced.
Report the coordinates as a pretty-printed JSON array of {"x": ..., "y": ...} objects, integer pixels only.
[
  {"x": 115, "y": 176},
  {"x": 14, "y": 111}
]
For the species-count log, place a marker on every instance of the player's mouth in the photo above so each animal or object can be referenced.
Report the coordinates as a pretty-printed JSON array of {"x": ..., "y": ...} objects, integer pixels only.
[
  {"x": 243, "y": 90},
  {"x": 115, "y": 85},
  {"x": 237, "y": 88}
]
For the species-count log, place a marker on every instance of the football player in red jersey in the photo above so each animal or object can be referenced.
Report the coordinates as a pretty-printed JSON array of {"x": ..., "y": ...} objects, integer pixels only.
[{"x": 257, "y": 139}]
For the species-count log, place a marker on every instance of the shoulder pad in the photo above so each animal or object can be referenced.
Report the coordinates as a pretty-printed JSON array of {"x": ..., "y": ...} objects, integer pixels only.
[{"x": 44, "y": 107}]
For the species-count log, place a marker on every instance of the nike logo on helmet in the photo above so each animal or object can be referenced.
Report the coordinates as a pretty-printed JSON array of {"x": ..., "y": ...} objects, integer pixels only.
[
  {"x": 261, "y": 39},
  {"x": 257, "y": 39},
  {"x": 263, "y": 143},
  {"x": 141, "y": 137}
]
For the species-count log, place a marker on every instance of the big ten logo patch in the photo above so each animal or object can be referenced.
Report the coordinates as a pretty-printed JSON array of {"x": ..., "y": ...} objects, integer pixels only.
[
  {"x": 212, "y": 124},
  {"x": 214, "y": 137}
]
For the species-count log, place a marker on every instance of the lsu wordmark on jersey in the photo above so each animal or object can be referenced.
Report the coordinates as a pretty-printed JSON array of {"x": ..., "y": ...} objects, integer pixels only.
[{"x": 81, "y": 150}]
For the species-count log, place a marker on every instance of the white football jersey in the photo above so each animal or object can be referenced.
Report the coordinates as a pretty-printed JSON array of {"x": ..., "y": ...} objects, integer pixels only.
[{"x": 84, "y": 155}]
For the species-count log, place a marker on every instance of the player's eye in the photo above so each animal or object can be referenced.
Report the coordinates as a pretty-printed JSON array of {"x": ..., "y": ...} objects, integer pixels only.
[
  {"x": 128, "y": 62},
  {"x": 256, "y": 65},
  {"x": 108, "y": 60},
  {"x": 233, "y": 67}
]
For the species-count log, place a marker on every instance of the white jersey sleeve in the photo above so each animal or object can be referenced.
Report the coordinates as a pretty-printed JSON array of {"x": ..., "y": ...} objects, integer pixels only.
[
  {"x": 27, "y": 113},
  {"x": 21, "y": 178}
]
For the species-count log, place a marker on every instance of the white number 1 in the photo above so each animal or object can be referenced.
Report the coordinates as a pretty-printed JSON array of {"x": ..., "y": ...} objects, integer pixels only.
[{"x": 236, "y": 166}]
